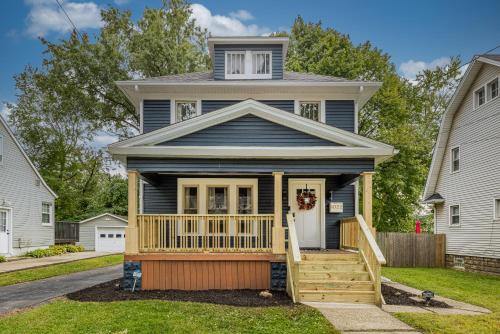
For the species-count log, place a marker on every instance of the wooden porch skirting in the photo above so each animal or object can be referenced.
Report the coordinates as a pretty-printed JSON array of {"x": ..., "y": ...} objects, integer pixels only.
[{"x": 221, "y": 271}]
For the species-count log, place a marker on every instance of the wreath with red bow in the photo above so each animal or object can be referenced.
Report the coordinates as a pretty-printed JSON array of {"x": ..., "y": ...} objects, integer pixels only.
[{"x": 306, "y": 200}]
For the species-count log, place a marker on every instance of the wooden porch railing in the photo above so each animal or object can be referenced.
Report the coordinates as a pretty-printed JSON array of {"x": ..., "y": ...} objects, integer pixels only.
[
  {"x": 356, "y": 234},
  {"x": 293, "y": 260},
  {"x": 202, "y": 233}
]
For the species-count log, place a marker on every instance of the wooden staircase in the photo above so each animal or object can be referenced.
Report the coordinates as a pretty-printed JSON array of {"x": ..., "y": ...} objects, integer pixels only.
[{"x": 334, "y": 277}]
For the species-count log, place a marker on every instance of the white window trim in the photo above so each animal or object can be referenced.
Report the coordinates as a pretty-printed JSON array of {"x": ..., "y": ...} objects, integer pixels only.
[
  {"x": 459, "y": 159},
  {"x": 322, "y": 107},
  {"x": 248, "y": 65},
  {"x": 51, "y": 214},
  {"x": 495, "y": 217},
  {"x": 173, "y": 108},
  {"x": 486, "y": 100},
  {"x": 450, "y": 224},
  {"x": 2, "y": 149}
]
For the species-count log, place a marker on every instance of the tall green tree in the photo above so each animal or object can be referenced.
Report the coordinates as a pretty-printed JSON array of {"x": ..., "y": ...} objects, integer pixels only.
[
  {"x": 402, "y": 113},
  {"x": 72, "y": 98}
]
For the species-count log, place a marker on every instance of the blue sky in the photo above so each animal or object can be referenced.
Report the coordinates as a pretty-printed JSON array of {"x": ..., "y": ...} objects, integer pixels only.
[{"x": 417, "y": 34}]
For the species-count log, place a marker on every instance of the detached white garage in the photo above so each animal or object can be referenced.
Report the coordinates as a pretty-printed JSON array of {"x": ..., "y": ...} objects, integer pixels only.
[{"x": 103, "y": 233}]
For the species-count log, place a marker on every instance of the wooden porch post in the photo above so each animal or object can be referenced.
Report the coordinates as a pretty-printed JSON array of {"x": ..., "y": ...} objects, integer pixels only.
[
  {"x": 278, "y": 230},
  {"x": 132, "y": 232},
  {"x": 367, "y": 198}
]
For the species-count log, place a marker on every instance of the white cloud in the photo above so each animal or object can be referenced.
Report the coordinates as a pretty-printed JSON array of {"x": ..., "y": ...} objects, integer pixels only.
[
  {"x": 5, "y": 111},
  {"x": 219, "y": 25},
  {"x": 104, "y": 140},
  {"x": 242, "y": 15},
  {"x": 46, "y": 16},
  {"x": 411, "y": 68}
]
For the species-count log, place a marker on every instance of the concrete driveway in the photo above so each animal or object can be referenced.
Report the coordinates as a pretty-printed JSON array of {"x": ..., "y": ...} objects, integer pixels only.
[{"x": 28, "y": 294}]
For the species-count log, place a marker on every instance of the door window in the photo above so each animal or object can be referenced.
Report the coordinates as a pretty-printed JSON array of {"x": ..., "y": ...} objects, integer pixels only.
[{"x": 3, "y": 221}]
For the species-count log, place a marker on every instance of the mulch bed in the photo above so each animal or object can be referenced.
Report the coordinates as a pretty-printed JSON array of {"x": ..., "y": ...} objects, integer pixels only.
[
  {"x": 110, "y": 291},
  {"x": 393, "y": 296}
]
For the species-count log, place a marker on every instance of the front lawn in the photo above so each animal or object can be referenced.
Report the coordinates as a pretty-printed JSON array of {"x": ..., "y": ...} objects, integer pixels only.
[
  {"x": 477, "y": 289},
  {"x": 58, "y": 269},
  {"x": 152, "y": 316}
]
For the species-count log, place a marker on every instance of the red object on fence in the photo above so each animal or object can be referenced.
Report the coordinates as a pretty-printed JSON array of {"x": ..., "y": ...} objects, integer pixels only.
[{"x": 418, "y": 227}]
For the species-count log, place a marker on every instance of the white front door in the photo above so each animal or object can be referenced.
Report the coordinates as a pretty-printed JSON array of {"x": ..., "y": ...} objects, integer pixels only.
[
  {"x": 308, "y": 222},
  {"x": 4, "y": 231},
  {"x": 110, "y": 239}
]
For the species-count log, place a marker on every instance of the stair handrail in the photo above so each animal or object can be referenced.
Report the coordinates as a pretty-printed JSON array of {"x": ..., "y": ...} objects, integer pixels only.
[
  {"x": 293, "y": 259},
  {"x": 363, "y": 226}
]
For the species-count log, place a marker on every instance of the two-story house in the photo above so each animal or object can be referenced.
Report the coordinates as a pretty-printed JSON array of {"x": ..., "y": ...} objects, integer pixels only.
[
  {"x": 26, "y": 201},
  {"x": 224, "y": 156},
  {"x": 463, "y": 183}
]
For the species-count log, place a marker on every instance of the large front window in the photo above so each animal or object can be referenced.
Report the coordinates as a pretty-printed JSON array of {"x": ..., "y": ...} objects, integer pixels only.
[
  {"x": 190, "y": 200},
  {"x": 218, "y": 200}
]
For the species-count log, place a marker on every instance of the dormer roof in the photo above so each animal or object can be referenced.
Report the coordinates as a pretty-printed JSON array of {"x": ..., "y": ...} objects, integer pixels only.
[{"x": 247, "y": 40}]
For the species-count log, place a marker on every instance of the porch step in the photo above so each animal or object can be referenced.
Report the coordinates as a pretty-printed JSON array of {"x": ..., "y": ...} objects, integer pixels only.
[
  {"x": 332, "y": 266},
  {"x": 329, "y": 285},
  {"x": 330, "y": 257},
  {"x": 334, "y": 275},
  {"x": 350, "y": 296}
]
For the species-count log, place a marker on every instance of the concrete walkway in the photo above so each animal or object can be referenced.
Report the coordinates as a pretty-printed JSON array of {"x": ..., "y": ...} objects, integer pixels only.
[
  {"x": 361, "y": 318},
  {"x": 23, "y": 295},
  {"x": 47, "y": 261}
]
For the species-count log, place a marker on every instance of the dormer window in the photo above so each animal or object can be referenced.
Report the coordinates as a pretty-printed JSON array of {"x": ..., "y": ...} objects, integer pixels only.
[{"x": 248, "y": 64}]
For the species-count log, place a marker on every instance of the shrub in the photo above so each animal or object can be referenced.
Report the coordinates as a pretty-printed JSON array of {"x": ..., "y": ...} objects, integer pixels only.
[
  {"x": 55, "y": 250},
  {"x": 2, "y": 258}
]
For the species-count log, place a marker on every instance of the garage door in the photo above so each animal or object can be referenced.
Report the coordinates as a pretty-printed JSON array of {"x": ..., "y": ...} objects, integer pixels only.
[{"x": 110, "y": 239}]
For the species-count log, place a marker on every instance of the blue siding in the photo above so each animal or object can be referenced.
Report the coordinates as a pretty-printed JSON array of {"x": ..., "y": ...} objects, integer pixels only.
[
  {"x": 163, "y": 199},
  {"x": 212, "y": 105},
  {"x": 340, "y": 114},
  {"x": 249, "y": 130},
  {"x": 219, "y": 58},
  {"x": 156, "y": 114},
  {"x": 310, "y": 166}
]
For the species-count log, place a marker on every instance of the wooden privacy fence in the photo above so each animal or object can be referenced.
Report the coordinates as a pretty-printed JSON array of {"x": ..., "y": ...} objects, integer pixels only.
[
  {"x": 412, "y": 250},
  {"x": 67, "y": 233}
]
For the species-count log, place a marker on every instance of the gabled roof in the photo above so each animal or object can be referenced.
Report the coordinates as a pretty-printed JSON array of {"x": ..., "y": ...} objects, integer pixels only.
[
  {"x": 447, "y": 120},
  {"x": 123, "y": 219},
  {"x": 354, "y": 145},
  {"x": 11, "y": 134},
  {"x": 433, "y": 199}
]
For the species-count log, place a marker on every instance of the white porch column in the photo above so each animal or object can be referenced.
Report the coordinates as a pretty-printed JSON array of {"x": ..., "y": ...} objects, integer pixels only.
[
  {"x": 278, "y": 230},
  {"x": 132, "y": 232}
]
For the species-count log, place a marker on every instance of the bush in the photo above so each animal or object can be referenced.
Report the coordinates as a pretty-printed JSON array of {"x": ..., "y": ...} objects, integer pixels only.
[
  {"x": 2, "y": 258},
  {"x": 55, "y": 250}
]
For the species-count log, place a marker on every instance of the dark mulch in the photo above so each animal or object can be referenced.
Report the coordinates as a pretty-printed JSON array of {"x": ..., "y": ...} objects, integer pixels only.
[
  {"x": 395, "y": 296},
  {"x": 110, "y": 291}
]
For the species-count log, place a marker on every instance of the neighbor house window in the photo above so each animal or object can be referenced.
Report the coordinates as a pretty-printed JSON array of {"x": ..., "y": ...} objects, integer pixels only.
[
  {"x": 185, "y": 110},
  {"x": 454, "y": 214},
  {"x": 455, "y": 159},
  {"x": 492, "y": 89},
  {"x": 261, "y": 63},
  {"x": 46, "y": 213},
  {"x": 1, "y": 149},
  {"x": 190, "y": 200},
  {"x": 479, "y": 97},
  {"x": 310, "y": 110},
  {"x": 496, "y": 208},
  {"x": 235, "y": 63}
]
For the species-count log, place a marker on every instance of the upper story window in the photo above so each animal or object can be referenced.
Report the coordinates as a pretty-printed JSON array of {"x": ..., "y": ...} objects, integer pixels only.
[
  {"x": 1, "y": 150},
  {"x": 314, "y": 110},
  {"x": 46, "y": 213},
  {"x": 479, "y": 97},
  {"x": 185, "y": 110},
  {"x": 496, "y": 208},
  {"x": 492, "y": 89},
  {"x": 455, "y": 159},
  {"x": 248, "y": 64}
]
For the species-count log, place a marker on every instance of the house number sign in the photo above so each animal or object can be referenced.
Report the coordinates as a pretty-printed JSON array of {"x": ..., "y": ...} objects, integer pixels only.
[{"x": 336, "y": 207}]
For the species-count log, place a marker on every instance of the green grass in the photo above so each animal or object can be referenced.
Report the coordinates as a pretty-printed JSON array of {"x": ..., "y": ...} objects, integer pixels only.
[
  {"x": 476, "y": 289},
  {"x": 152, "y": 316},
  {"x": 58, "y": 269}
]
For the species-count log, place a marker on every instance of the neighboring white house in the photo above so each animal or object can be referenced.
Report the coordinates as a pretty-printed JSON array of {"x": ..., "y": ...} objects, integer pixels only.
[
  {"x": 103, "y": 233},
  {"x": 463, "y": 182},
  {"x": 26, "y": 201}
]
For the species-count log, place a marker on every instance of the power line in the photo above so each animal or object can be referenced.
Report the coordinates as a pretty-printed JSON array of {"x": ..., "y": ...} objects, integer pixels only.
[{"x": 69, "y": 18}]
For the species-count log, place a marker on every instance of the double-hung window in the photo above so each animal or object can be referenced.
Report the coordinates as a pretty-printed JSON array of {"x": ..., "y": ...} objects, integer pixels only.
[
  {"x": 248, "y": 65},
  {"x": 496, "y": 208},
  {"x": 479, "y": 97},
  {"x": 492, "y": 89},
  {"x": 46, "y": 213},
  {"x": 455, "y": 159},
  {"x": 454, "y": 215}
]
